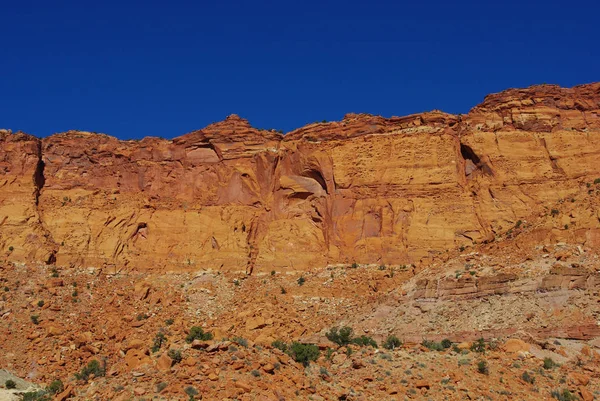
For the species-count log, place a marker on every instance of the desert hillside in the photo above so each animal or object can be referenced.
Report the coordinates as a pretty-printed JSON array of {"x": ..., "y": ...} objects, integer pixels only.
[{"x": 462, "y": 251}]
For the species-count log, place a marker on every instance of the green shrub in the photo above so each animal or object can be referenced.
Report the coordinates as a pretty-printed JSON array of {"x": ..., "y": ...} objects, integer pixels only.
[
  {"x": 528, "y": 378},
  {"x": 280, "y": 345},
  {"x": 40, "y": 395},
  {"x": 92, "y": 368},
  {"x": 191, "y": 392},
  {"x": 169, "y": 322},
  {"x": 478, "y": 346},
  {"x": 563, "y": 395},
  {"x": 303, "y": 353},
  {"x": 301, "y": 280},
  {"x": 597, "y": 181},
  {"x": 35, "y": 319},
  {"x": 175, "y": 355},
  {"x": 159, "y": 340},
  {"x": 342, "y": 336},
  {"x": 483, "y": 367},
  {"x": 364, "y": 341},
  {"x": 354, "y": 265},
  {"x": 255, "y": 373},
  {"x": 392, "y": 342},
  {"x": 10, "y": 384},
  {"x": 446, "y": 343},
  {"x": 241, "y": 341},
  {"x": 11, "y": 248},
  {"x": 435, "y": 346},
  {"x": 56, "y": 387},
  {"x": 549, "y": 363},
  {"x": 197, "y": 333}
]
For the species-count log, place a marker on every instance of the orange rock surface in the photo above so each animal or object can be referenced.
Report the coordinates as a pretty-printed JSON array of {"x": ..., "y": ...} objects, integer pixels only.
[{"x": 366, "y": 189}]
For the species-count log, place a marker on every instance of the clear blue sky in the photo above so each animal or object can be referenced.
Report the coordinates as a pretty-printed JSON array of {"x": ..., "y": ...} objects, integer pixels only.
[{"x": 133, "y": 69}]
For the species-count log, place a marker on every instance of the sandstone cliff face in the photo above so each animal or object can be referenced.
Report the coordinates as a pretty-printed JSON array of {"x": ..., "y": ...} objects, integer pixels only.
[{"x": 366, "y": 189}]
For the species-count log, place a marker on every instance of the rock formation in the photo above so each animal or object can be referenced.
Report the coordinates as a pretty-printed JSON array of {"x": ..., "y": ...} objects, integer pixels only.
[{"x": 366, "y": 189}]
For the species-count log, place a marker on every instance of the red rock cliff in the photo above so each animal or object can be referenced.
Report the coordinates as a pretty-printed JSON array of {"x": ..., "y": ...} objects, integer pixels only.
[{"x": 367, "y": 189}]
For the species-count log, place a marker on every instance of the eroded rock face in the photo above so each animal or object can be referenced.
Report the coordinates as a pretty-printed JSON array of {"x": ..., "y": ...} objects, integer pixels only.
[{"x": 366, "y": 189}]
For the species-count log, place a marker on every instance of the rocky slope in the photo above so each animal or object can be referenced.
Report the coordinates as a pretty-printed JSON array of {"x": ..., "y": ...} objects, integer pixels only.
[{"x": 365, "y": 189}]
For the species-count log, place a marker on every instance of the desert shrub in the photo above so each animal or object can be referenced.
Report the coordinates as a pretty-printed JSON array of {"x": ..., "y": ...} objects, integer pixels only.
[
  {"x": 197, "y": 333},
  {"x": 342, "y": 336},
  {"x": 40, "y": 395},
  {"x": 478, "y": 346},
  {"x": 364, "y": 341},
  {"x": 549, "y": 363},
  {"x": 483, "y": 367},
  {"x": 175, "y": 355},
  {"x": 141, "y": 316},
  {"x": 563, "y": 395},
  {"x": 354, "y": 265},
  {"x": 303, "y": 353},
  {"x": 92, "y": 368},
  {"x": 241, "y": 341},
  {"x": 11, "y": 248},
  {"x": 554, "y": 212},
  {"x": 527, "y": 377},
  {"x": 446, "y": 343},
  {"x": 169, "y": 322},
  {"x": 323, "y": 371},
  {"x": 10, "y": 384},
  {"x": 40, "y": 303},
  {"x": 280, "y": 345},
  {"x": 191, "y": 392},
  {"x": 55, "y": 387},
  {"x": 432, "y": 345},
  {"x": 283, "y": 290},
  {"x": 597, "y": 181},
  {"x": 255, "y": 373},
  {"x": 392, "y": 342},
  {"x": 35, "y": 319},
  {"x": 161, "y": 386},
  {"x": 301, "y": 280},
  {"x": 159, "y": 340},
  {"x": 272, "y": 272}
]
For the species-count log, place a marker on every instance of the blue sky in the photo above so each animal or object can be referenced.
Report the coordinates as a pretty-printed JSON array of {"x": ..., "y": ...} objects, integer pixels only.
[{"x": 134, "y": 69}]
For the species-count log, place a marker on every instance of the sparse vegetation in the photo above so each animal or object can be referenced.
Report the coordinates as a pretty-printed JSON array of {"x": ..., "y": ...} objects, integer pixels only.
[
  {"x": 40, "y": 303},
  {"x": 191, "y": 392},
  {"x": 280, "y": 345},
  {"x": 483, "y": 367},
  {"x": 35, "y": 319},
  {"x": 549, "y": 363},
  {"x": 301, "y": 280},
  {"x": 563, "y": 395},
  {"x": 437, "y": 346},
  {"x": 56, "y": 387},
  {"x": 92, "y": 368},
  {"x": 241, "y": 341},
  {"x": 554, "y": 212},
  {"x": 392, "y": 342},
  {"x": 478, "y": 346},
  {"x": 197, "y": 333},
  {"x": 175, "y": 355},
  {"x": 303, "y": 353},
  {"x": 527, "y": 377},
  {"x": 10, "y": 384},
  {"x": 342, "y": 336},
  {"x": 169, "y": 322},
  {"x": 159, "y": 340}
]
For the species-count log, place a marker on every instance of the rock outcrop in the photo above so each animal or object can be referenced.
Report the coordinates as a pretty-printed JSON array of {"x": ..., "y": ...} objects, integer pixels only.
[{"x": 365, "y": 189}]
